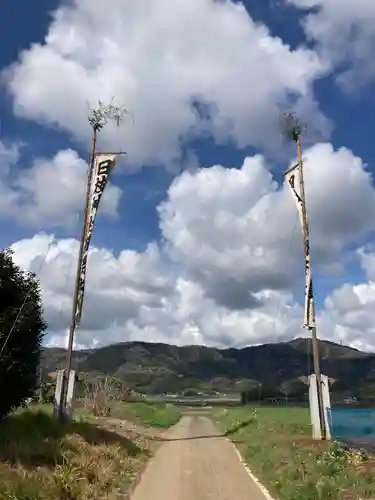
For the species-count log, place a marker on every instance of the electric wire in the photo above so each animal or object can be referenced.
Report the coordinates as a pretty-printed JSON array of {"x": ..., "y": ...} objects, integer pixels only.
[
  {"x": 287, "y": 262},
  {"x": 20, "y": 309}
]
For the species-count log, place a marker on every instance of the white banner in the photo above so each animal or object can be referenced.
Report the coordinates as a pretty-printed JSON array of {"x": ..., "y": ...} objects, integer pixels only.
[
  {"x": 103, "y": 165},
  {"x": 293, "y": 179},
  {"x": 309, "y": 320}
]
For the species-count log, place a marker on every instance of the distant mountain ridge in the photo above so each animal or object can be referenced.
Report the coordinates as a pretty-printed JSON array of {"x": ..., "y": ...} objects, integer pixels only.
[{"x": 155, "y": 367}]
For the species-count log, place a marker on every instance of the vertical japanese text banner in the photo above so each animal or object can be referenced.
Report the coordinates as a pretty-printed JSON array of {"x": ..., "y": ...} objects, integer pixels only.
[
  {"x": 103, "y": 165},
  {"x": 292, "y": 177}
]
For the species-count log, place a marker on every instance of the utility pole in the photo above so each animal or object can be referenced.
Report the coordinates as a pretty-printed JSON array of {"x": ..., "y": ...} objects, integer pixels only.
[
  {"x": 293, "y": 130},
  {"x": 97, "y": 118}
]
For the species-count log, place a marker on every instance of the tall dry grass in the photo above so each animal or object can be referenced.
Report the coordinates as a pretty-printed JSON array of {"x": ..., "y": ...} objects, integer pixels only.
[{"x": 42, "y": 459}]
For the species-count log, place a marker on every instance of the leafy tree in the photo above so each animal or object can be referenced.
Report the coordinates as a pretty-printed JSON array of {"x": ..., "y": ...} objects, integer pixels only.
[{"x": 21, "y": 333}]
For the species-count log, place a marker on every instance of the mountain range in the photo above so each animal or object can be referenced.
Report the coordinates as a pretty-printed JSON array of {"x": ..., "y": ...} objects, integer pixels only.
[{"x": 155, "y": 368}]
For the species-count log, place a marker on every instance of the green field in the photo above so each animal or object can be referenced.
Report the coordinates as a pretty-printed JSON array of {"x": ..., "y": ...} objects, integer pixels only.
[
  {"x": 150, "y": 415},
  {"x": 93, "y": 458},
  {"x": 276, "y": 443}
]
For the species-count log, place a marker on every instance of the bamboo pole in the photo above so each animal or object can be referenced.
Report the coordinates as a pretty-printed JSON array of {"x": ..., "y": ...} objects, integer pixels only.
[
  {"x": 315, "y": 345},
  {"x": 64, "y": 390}
]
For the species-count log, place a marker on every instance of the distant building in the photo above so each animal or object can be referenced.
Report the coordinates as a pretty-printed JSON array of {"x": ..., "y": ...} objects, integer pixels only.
[{"x": 351, "y": 401}]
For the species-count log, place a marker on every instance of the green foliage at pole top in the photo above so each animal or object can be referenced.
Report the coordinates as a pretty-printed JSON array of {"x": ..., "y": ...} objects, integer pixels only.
[
  {"x": 99, "y": 117},
  {"x": 21, "y": 332},
  {"x": 293, "y": 128}
]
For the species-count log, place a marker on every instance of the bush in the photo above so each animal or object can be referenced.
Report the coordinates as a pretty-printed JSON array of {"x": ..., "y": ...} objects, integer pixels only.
[{"x": 21, "y": 332}]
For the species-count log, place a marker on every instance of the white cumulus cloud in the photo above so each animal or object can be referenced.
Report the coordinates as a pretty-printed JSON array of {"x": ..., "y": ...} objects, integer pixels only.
[
  {"x": 344, "y": 32},
  {"x": 226, "y": 271},
  {"x": 136, "y": 297},
  {"x": 49, "y": 192},
  {"x": 349, "y": 315},
  {"x": 237, "y": 232},
  {"x": 158, "y": 59}
]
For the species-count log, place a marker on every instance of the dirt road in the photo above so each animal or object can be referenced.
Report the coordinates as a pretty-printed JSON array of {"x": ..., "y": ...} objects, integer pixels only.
[{"x": 195, "y": 463}]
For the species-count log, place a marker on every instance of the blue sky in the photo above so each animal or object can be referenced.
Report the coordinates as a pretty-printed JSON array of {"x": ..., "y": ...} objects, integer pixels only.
[{"x": 349, "y": 111}]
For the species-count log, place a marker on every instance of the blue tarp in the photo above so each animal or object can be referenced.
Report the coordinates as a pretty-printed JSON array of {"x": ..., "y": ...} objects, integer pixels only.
[{"x": 349, "y": 423}]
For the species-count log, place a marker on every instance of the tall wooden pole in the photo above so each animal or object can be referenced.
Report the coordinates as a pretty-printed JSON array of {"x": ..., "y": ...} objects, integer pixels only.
[
  {"x": 78, "y": 274},
  {"x": 315, "y": 345}
]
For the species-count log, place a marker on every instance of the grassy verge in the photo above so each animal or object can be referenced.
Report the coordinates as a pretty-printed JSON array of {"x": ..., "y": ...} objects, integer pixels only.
[
  {"x": 277, "y": 444},
  {"x": 42, "y": 459}
]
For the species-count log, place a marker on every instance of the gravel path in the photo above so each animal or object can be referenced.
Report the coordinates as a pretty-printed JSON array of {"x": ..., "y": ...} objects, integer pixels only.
[{"x": 195, "y": 463}]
